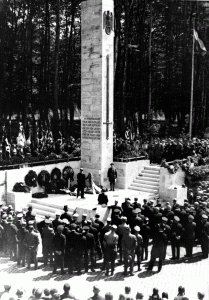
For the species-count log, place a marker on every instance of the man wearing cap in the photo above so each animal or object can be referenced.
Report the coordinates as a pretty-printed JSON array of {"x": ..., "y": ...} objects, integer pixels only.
[
  {"x": 58, "y": 245},
  {"x": 189, "y": 235},
  {"x": 145, "y": 233},
  {"x": 84, "y": 220},
  {"x": 28, "y": 213},
  {"x": 96, "y": 296},
  {"x": 81, "y": 180},
  {"x": 117, "y": 218},
  {"x": 204, "y": 236},
  {"x": 129, "y": 244},
  {"x": 135, "y": 220},
  {"x": 112, "y": 176},
  {"x": 74, "y": 250},
  {"x": 21, "y": 250},
  {"x": 102, "y": 198},
  {"x": 138, "y": 250},
  {"x": 158, "y": 248},
  {"x": 113, "y": 207},
  {"x": 89, "y": 249},
  {"x": 42, "y": 224},
  {"x": 11, "y": 233},
  {"x": 47, "y": 235},
  {"x": 66, "y": 214},
  {"x": 104, "y": 230},
  {"x": 31, "y": 242},
  {"x": 57, "y": 221},
  {"x": 176, "y": 234},
  {"x": 121, "y": 231},
  {"x": 110, "y": 249}
]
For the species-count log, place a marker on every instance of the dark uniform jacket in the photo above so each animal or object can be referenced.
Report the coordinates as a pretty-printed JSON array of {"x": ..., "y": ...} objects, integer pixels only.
[
  {"x": 190, "y": 231},
  {"x": 205, "y": 231},
  {"x": 31, "y": 240},
  {"x": 21, "y": 235},
  {"x": 59, "y": 242},
  {"x": 90, "y": 241},
  {"x": 81, "y": 179},
  {"x": 11, "y": 233},
  {"x": 112, "y": 174},
  {"x": 102, "y": 199},
  {"x": 47, "y": 235}
]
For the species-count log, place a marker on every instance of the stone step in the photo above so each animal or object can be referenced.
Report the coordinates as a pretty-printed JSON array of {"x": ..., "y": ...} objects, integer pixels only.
[
  {"x": 150, "y": 175},
  {"x": 145, "y": 178},
  {"x": 146, "y": 182},
  {"x": 151, "y": 172},
  {"x": 46, "y": 203},
  {"x": 154, "y": 168},
  {"x": 140, "y": 189},
  {"x": 141, "y": 185}
]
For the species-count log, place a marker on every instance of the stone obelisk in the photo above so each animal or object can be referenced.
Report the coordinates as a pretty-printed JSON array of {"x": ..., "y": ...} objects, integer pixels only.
[{"x": 97, "y": 61}]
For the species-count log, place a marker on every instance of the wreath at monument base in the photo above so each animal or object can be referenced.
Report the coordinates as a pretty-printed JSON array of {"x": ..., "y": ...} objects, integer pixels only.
[
  {"x": 31, "y": 179},
  {"x": 68, "y": 173},
  {"x": 20, "y": 187},
  {"x": 44, "y": 178},
  {"x": 55, "y": 174}
]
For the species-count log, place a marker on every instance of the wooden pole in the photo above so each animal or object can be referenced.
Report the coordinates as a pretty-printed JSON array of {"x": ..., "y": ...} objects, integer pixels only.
[
  {"x": 150, "y": 65},
  {"x": 192, "y": 84}
]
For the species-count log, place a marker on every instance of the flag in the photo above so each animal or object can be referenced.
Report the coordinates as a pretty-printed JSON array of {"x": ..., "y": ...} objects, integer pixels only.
[{"x": 199, "y": 43}]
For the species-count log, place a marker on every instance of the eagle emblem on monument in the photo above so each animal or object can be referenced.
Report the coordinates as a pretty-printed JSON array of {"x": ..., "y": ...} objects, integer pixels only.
[{"x": 108, "y": 21}]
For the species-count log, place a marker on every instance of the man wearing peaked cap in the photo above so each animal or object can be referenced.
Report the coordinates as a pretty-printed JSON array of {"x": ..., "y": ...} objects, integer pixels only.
[
  {"x": 176, "y": 234},
  {"x": 58, "y": 246},
  {"x": 190, "y": 229},
  {"x": 11, "y": 237},
  {"x": 57, "y": 221},
  {"x": 110, "y": 249},
  {"x": 47, "y": 235},
  {"x": 204, "y": 237},
  {"x": 31, "y": 242},
  {"x": 102, "y": 198},
  {"x": 112, "y": 176},
  {"x": 21, "y": 250},
  {"x": 138, "y": 250},
  {"x": 67, "y": 214},
  {"x": 81, "y": 180}
]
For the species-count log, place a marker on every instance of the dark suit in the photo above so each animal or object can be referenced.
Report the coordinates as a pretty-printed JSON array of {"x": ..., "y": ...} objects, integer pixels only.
[
  {"x": 11, "y": 233},
  {"x": 189, "y": 237},
  {"x": 176, "y": 234},
  {"x": 21, "y": 248},
  {"x": 47, "y": 235},
  {"x": 102, "y": 199},
  {"x": 204, "y": 238},
  {"x": 59, "y": 243},
  {"x": 158, "y": 249},
  {"x": 112, "y": 175},
  {"x": 74, "y": 249},
  {"x": 89, "y": 250},
  {"x": 129, "y": 244},
  {"x": 81, "y": 180}
]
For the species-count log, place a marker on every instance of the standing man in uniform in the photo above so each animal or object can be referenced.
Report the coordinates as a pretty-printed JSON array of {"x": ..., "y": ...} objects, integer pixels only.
[
  {"x": 176, "y": 234},
  {"x": 59, "y": 243},
  {"x": 138, "y": 250},
  {"x": 110, "y": 249},
  {"x": 11, "y": 233},
  {"x": 189, "y": 235},
  {"x": 47, "y": 235},
  {"x": 112, "y": 176},
  {"x": 89, "y": 249},
  {"x": 21, "y": 250},
  {"x": 204, "y": 237},
  {"x": 31, "y": 242},
  {"x": 81, "y": 180},
  {"x": 129, "y": 244}
]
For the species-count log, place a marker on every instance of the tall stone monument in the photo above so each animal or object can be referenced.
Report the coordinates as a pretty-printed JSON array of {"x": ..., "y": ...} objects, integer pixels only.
[{"x": 97, "y": 61}]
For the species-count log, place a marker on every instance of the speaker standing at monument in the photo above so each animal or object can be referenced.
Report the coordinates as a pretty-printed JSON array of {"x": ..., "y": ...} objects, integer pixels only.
[
  {"x": 81, "y": 179},
  {"x": 112, "y": 175}
]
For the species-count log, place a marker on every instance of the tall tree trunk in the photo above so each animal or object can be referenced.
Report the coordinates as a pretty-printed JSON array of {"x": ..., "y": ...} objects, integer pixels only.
[{"x": 56, "y": 74}]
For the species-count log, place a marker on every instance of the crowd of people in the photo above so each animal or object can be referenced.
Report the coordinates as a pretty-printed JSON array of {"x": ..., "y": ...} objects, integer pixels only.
[
  {"x": 38, "y": 142},
  {"x": 54, "y": 294},
  {"x": 168, "y": 148},
  {"x": 76, "y": 243}
]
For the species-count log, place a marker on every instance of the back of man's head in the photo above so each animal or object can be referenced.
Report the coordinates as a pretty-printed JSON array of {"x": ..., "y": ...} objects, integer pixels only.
[
  {"x": 38, "y": 293},
  {"x": 108, "y": 296},
  {"x": 66, "y": 287}
]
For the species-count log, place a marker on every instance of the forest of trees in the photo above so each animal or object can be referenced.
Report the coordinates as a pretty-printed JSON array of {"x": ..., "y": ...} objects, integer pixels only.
[{"x": 40, "y": 61}]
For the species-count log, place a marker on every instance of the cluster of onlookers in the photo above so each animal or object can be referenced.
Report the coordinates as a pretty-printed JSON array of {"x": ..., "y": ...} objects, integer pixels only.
[
  {"x": 76, "y": 243},
  {"x": 54, "y": 294}
]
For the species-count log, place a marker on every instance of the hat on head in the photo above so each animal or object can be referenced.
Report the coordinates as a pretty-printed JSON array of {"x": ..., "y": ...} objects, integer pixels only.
[
  {"x": 151, "y": 201},
  {"x": 137, "y": 228},
  {"x": 23, "y": 223},
  {"x": 19, "y": 216},
  {"x": 89, "y": 221},
  {"x": 81, "y": 169},
  {"x": 116, "y": 211},
  {"x": 84, "y": 215},
  {"x": 134, "y": 211},
  {"x": 73, "y": 226},
  {"x": 164, "y": 219},
  {"x": 190, "y": 217},
  {"x": 112, "y": 164},
  {"x": 109, "y": 220},
  {"x": 20, "y": 292},
  {"x": 174, "y": 199},
  {"x": 47, "y": 221},
  {"x": 4, "y": 216},
  {"x": 176, "y": 218},
  {"x": 204, "y": 216},
  {"x": 76, "y": 215},
  {"x": 9, "y": 219},
  {"x": 97, "y": 215},
  {"x": 65, "y": 207},
  {"x": 57, "y": 213},
  {"x": 138, "y": 210},
  {"x": 114, "y": 227},
  {"x": 123, "y": 218},
  {"x": 47, "y": 216},
  {"x": 86, "y": 227},
  {"x": 5, "y": 207},
  {"x": 60, "y": 227},
  {"x": 135, "y": 199}
]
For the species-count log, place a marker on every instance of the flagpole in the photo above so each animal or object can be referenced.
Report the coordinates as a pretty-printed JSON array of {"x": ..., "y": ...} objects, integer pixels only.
[{"x": 192, "y": 83}]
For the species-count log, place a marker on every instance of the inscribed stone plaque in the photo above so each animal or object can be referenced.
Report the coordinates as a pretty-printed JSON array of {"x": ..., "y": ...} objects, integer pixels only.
[{"x": 91, "y": 128}]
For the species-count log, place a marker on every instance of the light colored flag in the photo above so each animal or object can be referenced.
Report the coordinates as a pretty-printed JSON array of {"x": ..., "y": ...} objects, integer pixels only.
[{"x": 199, "y": 41}]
